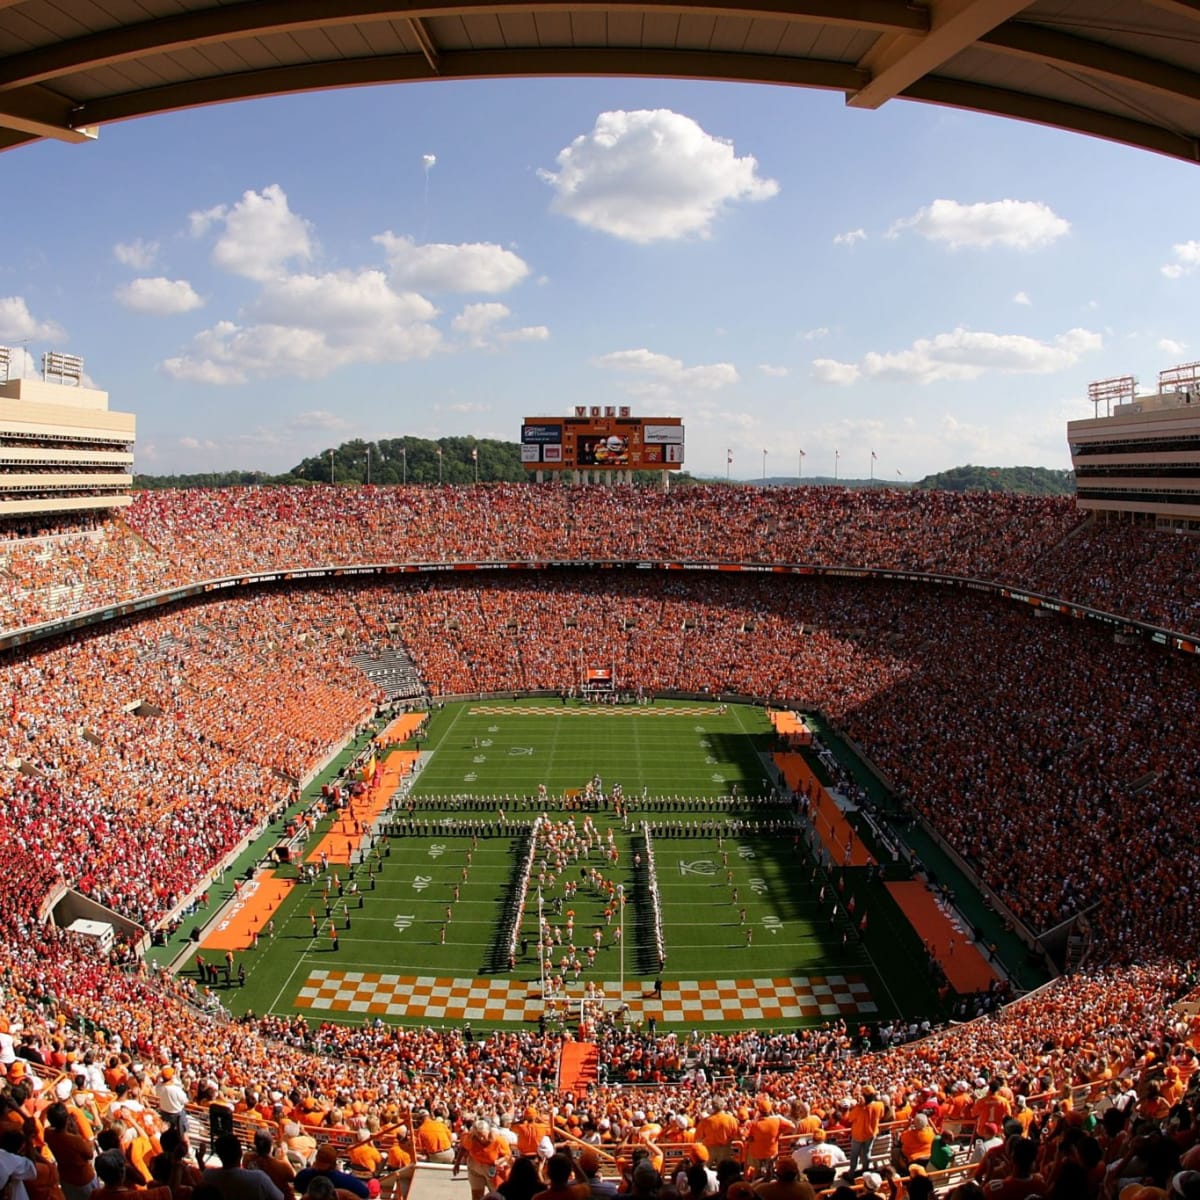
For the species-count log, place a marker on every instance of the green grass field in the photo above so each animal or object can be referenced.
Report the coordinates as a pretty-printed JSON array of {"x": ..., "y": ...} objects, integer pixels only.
[{"x": 433, "y": 901}]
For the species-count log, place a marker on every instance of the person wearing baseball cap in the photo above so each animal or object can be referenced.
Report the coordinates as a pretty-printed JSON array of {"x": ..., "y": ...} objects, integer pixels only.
[{"x": 787, "y": 1183}]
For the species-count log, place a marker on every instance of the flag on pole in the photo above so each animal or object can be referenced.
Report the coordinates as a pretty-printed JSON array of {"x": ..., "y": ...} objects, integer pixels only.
[
  {"x": 874, "y": 456},
  {"x": 439, "y": 452},
  {"x": 474, "y": 455},
  {"x": 728, "y": 456}
]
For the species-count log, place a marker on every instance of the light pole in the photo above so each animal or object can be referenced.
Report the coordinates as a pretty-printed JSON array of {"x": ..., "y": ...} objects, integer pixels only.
[
  {"x": 404, "y": 464},
  {"x": 764, "y": 466},
  {"x": 368, "y": 464},
  {"x": 837, "y": 454},
  {"x": 331, "y": 479},
  {"x": 439, "y": 454},
  {"x": 800, "y": 465}
]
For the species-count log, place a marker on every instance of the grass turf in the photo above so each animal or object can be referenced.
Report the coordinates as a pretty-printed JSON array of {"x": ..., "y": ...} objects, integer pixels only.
[{"x": 431, "y": 905}]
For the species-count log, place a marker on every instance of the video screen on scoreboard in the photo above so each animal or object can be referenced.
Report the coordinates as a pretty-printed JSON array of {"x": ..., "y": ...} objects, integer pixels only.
[{"x": 605, "y": 450}]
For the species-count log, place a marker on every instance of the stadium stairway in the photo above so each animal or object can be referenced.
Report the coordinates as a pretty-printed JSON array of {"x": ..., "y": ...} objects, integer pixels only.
[{"x": 578, "y": 1066}]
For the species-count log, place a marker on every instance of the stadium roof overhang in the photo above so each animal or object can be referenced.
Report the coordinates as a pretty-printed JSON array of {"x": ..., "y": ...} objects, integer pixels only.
[{"x": 1125, "y": 70}]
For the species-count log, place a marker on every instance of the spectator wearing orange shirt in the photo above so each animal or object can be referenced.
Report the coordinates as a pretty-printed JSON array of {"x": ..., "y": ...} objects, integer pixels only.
[
  {"x": 762, "y": 1137},
  {"x": 864, "y": 1119},
  {"x": 717, "y": 1131}
]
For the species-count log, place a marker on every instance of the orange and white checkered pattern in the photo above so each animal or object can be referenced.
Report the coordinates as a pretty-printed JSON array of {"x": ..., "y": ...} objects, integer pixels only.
[{"x": 423, "y": 997}]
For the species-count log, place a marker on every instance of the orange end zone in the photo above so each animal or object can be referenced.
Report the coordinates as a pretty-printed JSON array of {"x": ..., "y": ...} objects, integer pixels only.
[
  {"x": 964, "y": 964},
  {"x": 252, "y": 907},
  {"x": 831, "y": 826},
  {"x": 343, "y": 837},
  {"x": 790, "y": 726},
  {"x": 400, "y": 730}
]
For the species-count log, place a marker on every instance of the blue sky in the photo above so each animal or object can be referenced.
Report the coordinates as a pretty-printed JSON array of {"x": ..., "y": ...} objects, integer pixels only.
[{"x": 262, "y": 280}]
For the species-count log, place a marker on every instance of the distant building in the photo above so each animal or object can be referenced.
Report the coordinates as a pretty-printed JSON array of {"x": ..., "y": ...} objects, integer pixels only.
[
  {"x": 61, "y": 448},
  {"x": 1141, "y": 460}
]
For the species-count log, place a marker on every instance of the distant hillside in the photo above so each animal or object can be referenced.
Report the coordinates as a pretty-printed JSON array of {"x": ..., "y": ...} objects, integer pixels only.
[
  {"x": 1031, "y": 481},
  {"x": 417, "y": 460}
]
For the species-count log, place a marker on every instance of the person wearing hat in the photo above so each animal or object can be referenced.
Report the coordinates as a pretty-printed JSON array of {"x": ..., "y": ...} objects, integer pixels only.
[
  {"x": 172, "y": 1100},
  {"x": 763, "y": 1134},
  {"x": 872, "y": 1182},
  {"x": 530, "y": 1130},
  {"x": 787, "y": 1183},
  {"x": 821, "y": 1160},
  {"x": 326, "y": 1163},
  {"x": 695, "y": 1177},
  {"x": 433, "y": 1139}
]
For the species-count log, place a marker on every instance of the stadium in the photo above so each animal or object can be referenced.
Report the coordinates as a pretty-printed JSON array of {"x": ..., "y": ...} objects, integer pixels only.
[{"x": 233, "y": 721}]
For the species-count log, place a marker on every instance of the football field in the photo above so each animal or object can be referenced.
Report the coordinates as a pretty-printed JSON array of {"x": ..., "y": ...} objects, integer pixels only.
[{"x": 546, "y": 852}]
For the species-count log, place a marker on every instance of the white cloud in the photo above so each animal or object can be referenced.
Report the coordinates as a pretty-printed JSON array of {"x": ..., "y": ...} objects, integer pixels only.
[
  {"x": 354, "y": 303},
  {"x": 192, "y": 443},
  {"x": 438, "y": 267},
  {"x": 1171, "y": 346},
  {"x": 1017, "y": 224},
  {"x": 829, "y": 370},
  {"x": 466, "y": 406},
  {"x": 319, "y": 418},
  {"x": 527, "y": 333},
  {"x": 965, "y": 354},
  {"x": 477, "y": 319},
  {"x": 232, "y": 354},
  {"x": 138, "y": 254},
  {"x": 259, "y": 234},
  {"x": 1187, "y": 259},
  {"x": 18, "y": 324},
  {"x": 651, "y": 175},
  {"x": 773, "y": 372},
  {"x": 1022, "y": 298},
  {"x": 158, "y": 296},
  {"x": 850, "y": 237},
  {"x": 658, "y": 372},
  {"x": 813, "y": 335}
]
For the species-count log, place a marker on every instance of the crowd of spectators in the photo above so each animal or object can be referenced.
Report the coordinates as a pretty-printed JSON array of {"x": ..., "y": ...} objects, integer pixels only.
[
  {"x": 1054, "y": 758},
  {"x": 168, "y": 538},
  {"x": 121, "y": 1043},
  {"x": 1059, "y": 761}
]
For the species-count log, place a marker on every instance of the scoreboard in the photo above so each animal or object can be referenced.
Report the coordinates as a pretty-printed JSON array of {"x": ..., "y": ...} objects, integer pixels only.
[{"x": 606, "y": 439}]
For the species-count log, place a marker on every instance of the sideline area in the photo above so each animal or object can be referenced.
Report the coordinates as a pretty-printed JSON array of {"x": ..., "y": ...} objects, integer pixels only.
[
  {"x": 963, "y": 962},
  {"x": 345, "y": 835}
]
